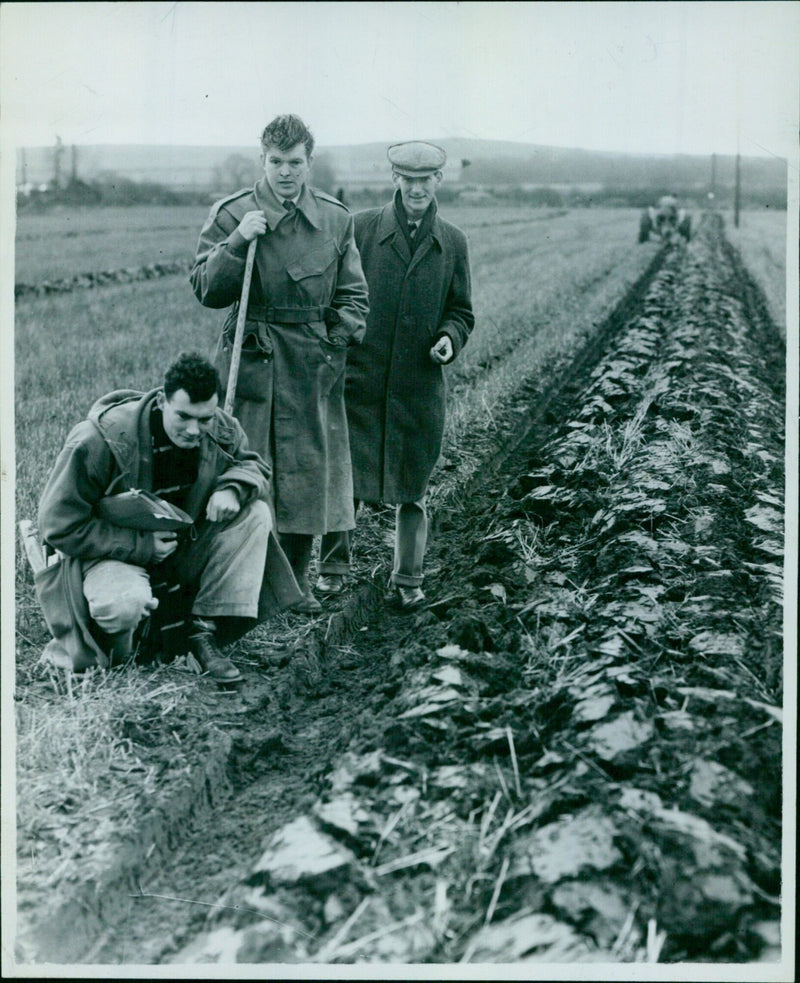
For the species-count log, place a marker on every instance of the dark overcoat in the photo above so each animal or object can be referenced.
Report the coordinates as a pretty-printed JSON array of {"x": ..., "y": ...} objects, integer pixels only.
[
  {"x": 308, "y": 292},
  {"x": 395, "y": 392}
]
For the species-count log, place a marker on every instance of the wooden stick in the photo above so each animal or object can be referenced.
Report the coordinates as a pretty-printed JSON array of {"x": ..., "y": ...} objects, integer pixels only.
[
  {"x": 502, "y": 780},
  {"x": 486, "y": 821},
  {"x": 387, "y": 829},
  {"x": 435, "y": 854},
  {"x": 236, "y": 354},
  {"x": 655, "y": 941}
]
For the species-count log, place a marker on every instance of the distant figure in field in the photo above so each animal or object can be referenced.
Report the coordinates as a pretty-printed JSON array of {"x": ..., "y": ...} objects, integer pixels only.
[
  {"x": 340, "y": 196},
  {"x": 665, "y": 219},
  {"x": 420, "y": 316},
  {"x": 667, "y": 210},
  {"x": 113, "y": 584},
  {"x": 307, "y": 305}
]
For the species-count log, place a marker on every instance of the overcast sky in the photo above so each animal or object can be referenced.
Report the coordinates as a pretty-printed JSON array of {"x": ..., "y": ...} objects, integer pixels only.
[{"x": 638, "y": 77}]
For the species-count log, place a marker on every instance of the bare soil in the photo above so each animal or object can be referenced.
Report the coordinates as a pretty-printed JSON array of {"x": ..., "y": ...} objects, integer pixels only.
[{"x": 573, "y": 752}]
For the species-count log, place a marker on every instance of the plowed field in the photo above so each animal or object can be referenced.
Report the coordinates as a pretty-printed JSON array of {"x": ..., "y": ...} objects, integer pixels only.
[{"x": 573, "y": 753}]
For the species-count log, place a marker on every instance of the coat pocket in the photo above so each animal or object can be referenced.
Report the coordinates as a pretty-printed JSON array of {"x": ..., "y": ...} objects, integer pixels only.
[
  {"x": 308, "y": 273},
  {"x": 334, "y": 354},
  {"x": 255, "y": 365}
]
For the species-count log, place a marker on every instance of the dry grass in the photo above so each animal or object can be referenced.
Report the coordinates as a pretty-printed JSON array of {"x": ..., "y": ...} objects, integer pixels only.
[
  {"x": 85, "y": 768},
  {"x": 71, "y": 349},
  {"x": 761, "y": 241},
  {"x": 64, "y": 243}
]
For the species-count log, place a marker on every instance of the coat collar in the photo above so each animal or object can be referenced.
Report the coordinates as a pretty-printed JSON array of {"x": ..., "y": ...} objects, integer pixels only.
[
  {"x": 123, "y": 419},
  {"x": 389, "y": 228},
  {"x": 273, "y": 209}
]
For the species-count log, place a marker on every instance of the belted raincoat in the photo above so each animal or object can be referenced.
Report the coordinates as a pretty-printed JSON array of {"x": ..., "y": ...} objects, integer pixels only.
[{"x": 307, "y": 307}]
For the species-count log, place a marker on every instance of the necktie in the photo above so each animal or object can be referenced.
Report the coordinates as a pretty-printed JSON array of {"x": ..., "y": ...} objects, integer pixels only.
[
  {"x": 412, "y": 229},
  {"x": 289, "y": 206}
]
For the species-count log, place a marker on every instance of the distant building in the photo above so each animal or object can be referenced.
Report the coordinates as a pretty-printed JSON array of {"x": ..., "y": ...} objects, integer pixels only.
[
  {"x": 366, "y": 167},
  {"x": 178, "y": 168},
  {"x": 472, "y": 196}
]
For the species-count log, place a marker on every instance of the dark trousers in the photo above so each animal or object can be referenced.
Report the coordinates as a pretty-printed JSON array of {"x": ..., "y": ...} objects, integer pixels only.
[
  {"x": 297, "y": 547},
  {"x": 222, "y": 570}
]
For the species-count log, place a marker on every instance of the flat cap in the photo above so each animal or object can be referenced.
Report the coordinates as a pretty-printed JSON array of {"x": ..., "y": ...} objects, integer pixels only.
[{"x": 415, "y": 158}]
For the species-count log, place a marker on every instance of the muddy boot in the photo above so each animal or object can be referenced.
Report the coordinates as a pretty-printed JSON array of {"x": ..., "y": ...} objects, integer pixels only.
[{"x": 206, "y": 656}]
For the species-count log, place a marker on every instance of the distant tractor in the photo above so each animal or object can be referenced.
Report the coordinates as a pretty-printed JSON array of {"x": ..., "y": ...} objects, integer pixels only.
[{"x": 666, "y": 220}]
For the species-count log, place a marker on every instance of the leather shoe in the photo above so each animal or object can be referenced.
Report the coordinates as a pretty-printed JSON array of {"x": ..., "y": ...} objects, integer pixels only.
[
  {"x": 308, "y": 604},
  {"x": 210, "y": 660},
  {"x": 330, "y": 583},
  {"x": 410, "y": 597}
]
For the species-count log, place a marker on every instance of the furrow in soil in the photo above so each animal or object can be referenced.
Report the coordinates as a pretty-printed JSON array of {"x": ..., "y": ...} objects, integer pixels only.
[{"x": 573, "y": 752}]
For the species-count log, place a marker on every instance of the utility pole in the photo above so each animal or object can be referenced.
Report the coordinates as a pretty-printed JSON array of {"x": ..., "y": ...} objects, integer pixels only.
[
  {"x": 57, "y": 155},
  {"x": 713, "y": 176},
  {"x": 74, "y": 176},
  {"x": 24, "y": 166}
]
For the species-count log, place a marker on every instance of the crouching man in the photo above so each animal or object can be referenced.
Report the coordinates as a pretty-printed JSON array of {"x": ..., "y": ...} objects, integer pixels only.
[{"x": 110, "y": 590}]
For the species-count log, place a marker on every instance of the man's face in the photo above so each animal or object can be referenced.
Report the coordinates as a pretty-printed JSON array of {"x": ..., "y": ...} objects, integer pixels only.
[
  {"x": 286, "y": 170},
  {"x": 417, "y": 192},
  {"x": 185, "y": 422}
]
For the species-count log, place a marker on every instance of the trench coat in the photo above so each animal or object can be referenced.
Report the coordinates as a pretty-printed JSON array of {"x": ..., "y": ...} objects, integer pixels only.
[
  {"x": 110, "y": 452},
  {"x": 307, "y": 306},
  {"x": 395, "y": 392}
]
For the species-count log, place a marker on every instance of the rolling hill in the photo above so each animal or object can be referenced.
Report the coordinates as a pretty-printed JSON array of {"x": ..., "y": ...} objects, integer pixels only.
[{"x": 490, "y": 162}]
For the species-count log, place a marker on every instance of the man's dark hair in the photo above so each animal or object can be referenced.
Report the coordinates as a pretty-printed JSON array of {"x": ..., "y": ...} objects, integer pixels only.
[
  {"x": 284, "y": 132},
  {"x": 195, "y": 375}
]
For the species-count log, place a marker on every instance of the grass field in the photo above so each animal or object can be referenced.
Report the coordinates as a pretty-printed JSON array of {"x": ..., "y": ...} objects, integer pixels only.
[
  {"x": 761, "y": 240},
  {"x": 67, "y": 242},
  {"x": 542, "y": 282},
  {"x": 531, "y": 271}
]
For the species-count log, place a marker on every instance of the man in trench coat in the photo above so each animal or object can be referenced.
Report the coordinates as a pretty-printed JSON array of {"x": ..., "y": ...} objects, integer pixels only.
[
  {"x": 307, "y": 305},
  {"x": 420, "y": 316}
]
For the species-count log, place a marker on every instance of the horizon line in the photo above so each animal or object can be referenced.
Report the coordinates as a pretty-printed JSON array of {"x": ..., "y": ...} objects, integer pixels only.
[{"x": 765, "y": 155}]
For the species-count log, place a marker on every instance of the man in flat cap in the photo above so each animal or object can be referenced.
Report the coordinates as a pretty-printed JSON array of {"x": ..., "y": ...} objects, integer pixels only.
[{"x": 420, "y": 316}]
